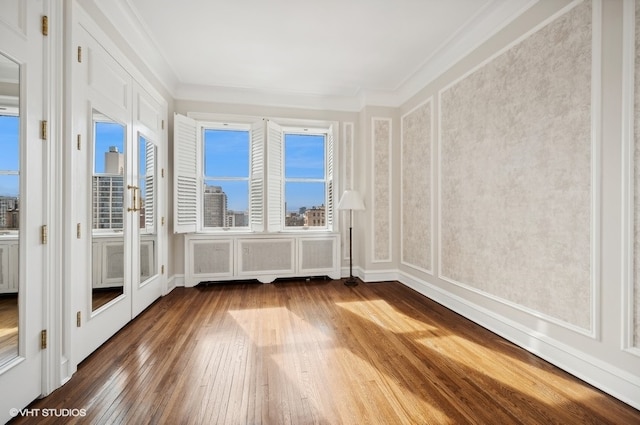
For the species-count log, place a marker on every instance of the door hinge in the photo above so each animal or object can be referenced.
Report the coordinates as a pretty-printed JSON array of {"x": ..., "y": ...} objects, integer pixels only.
[
  {"x": 162, "y": 221},
  {"x": 45, "y": 25},
  {"x": 162, "y": 269},
  {"x": 43, "y": 339},
  {"x": 78, "y": 233},
  {"x": 80, "y": 54},
  {"x": 43, "y": 130},
  {"x": 79, "y": 141},
  {"x": 78, "y": 319},
  {"x": 44, "y": 234},
  {"x": 162, "y": 124},
  {"x": 162, "y": 172}
]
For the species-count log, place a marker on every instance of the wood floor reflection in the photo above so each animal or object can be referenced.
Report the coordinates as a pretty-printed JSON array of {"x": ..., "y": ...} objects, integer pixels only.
[
  {"x": 319, "y": 352},
  {"x": 100, "y": 297},
  {"x": 8, "y": 327}
]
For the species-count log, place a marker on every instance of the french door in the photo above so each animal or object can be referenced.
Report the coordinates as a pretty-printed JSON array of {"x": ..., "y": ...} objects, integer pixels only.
[
  {"x": 23, "y": 209},
  {"x": 115, "y": 190}
]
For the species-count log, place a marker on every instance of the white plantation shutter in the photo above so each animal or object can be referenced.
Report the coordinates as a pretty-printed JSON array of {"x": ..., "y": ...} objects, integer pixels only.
[
  {"x": 330, "y": 180},
  {"x": 256, "y": 184},
  {"x": 275, "y": 175},
  {"x": 186, "y": 169},
  {"x": 149, "y": 180}
]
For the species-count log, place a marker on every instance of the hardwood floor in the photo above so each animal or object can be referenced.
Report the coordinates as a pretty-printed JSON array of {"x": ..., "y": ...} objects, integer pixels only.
[{"x": 319, "y": 352}]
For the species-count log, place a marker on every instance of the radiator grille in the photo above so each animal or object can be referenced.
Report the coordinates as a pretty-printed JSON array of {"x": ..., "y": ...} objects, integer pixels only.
[
  {"x": 267, "y": 256},
  {"x": 211, "y": 257}
]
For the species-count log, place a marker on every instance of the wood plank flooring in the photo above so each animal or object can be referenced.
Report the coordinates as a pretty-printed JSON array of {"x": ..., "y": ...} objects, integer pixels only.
[{"x": 319, "y": 352}]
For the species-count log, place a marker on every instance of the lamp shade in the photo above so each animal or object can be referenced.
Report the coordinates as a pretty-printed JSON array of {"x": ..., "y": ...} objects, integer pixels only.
[{"x": 350, "y": 200}]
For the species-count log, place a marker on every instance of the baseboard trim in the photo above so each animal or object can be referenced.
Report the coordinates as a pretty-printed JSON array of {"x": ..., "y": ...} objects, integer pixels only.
[
  {"x": 177, "y": 280},
  {"x": 605, "y": 376}
]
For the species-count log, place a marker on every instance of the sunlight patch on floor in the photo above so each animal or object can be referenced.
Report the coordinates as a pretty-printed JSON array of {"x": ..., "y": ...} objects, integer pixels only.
[{"x": 386, "y": 316}]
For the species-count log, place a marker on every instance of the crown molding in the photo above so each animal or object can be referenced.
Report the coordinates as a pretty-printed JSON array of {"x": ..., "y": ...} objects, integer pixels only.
[{"x": 492, "y": 18}]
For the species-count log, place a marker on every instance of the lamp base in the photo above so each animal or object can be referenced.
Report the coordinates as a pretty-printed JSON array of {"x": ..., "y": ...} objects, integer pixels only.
[{"x": 351, "y": 281}]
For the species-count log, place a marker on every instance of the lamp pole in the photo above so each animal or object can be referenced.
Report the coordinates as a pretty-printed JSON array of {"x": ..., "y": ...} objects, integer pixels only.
[
  {"x": 351, "y": 281},
  {"x": 350, "y": 200}
]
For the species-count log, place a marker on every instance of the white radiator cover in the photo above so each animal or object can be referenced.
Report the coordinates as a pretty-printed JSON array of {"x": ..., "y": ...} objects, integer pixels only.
[{"x": 263, "y": 257}]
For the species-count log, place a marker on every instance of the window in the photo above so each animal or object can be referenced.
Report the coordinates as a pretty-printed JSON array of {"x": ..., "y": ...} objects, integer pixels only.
[
  {"x": 257, "y": 177},
  {"x": 304, "y": 179},
  {"x": 225, "y": 192}
]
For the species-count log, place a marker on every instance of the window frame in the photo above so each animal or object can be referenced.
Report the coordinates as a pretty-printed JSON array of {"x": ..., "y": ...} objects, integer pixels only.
[
  {"x": 307, "y": 131},
  {"x": 266, "y": 212},
  {"x": 231, "y": 125}
]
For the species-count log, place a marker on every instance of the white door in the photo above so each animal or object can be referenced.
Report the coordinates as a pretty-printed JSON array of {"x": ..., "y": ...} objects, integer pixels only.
[
  {"x": 103, "y": 195},
  {"x": 147, "y": 239},
  {"x": 23, "y": 165},
  {"x": 115, "y": 188}
]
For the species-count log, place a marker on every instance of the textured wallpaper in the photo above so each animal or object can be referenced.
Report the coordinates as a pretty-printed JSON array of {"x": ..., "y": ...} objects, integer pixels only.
[
  {"x": 416, "y": 187},
  {"x": 515, "y": 173},
  {"x": 636, "y": 267},
  {"x": 348, "y": 155},
  {"x": 381, "y": 189}
]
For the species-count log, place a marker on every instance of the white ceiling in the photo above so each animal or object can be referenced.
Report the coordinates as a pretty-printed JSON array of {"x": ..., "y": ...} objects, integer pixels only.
[{"x": 345, "y": 53}]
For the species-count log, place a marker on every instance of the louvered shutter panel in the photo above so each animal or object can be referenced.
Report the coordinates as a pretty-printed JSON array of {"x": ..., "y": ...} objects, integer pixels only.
[
  {"x": 256, "y": 185},
  {"x": 330, "y": 180},
  {"x": 149, "y": 181},
  {"x": 274, "y": 177},
  {"x": 185, "y": 166}
]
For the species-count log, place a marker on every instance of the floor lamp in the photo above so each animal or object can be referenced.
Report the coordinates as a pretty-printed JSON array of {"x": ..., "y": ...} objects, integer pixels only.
[{"x": 350, "y": 200}]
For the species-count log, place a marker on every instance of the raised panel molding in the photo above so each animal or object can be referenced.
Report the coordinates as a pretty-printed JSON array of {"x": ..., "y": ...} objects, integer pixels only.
[
  {"x": 107, "y": 77},
  {"x": 13, "y": 14},
  {"x": 381, "y": 132},
  {"x": 348, "y": 137},
  {"x": 416, "y": 204},
  {"x": 631, "y": 177},
  {"x": 513, "y": 223},
  {"x": 148, "y": 112}
]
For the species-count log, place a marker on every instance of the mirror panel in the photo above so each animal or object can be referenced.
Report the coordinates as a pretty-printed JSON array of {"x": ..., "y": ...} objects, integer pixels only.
[
  {"x": 107, "y": 210},
  {"x": 148, "y": 200},
  {"x": 10, "y": 195}
]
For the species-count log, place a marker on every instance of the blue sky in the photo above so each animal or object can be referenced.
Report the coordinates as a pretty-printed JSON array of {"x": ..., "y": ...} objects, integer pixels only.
[
  {"x": 226, "y": 154},
  {"x": 107, "y": 134},
  {"x": 9, "y": 154}
]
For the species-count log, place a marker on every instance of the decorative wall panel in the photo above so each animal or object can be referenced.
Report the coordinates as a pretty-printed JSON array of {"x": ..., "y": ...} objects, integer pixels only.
[
  {"x": 515, "y": 166},
  {"x": 416, "y": 187},
  {"x": 636, "y": 144},
  {"x": 348, "y": 184},
  {"x": 348, "y": 155},
  {"x": 381, "y": 200}
]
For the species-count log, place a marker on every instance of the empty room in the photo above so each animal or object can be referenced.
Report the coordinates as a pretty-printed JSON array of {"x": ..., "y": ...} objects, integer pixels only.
[{"x": 320, "y": 212}]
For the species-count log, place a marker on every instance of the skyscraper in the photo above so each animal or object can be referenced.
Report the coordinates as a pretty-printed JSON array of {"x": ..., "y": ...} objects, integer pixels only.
[
  {"x": 215, "y": 206},
  {"x": 108, "y": 192}
]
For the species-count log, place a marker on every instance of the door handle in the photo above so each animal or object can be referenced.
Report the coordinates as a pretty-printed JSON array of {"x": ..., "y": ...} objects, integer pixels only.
[{"x": 135, "y": 198}]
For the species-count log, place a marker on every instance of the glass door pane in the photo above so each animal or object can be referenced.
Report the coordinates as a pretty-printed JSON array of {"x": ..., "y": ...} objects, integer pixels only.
[
  {"x": 107, "y": 200},
  {"x": 148, "y": 201}
]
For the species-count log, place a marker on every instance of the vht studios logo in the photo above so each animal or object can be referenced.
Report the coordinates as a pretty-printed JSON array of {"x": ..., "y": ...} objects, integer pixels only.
[{"x": 59, "y": 413}]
